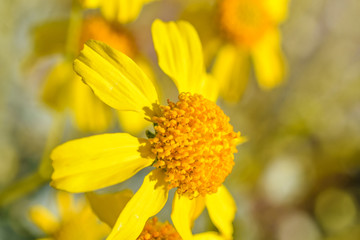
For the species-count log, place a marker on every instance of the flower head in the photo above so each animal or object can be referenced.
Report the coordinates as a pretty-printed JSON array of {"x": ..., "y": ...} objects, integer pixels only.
[
  {"x": 251, "y": 31},
  {"x": 194, "y": 144},
  {"x": 192, "y": 147}
]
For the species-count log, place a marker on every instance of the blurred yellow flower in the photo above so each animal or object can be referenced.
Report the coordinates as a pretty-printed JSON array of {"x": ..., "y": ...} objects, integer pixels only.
[
  {"x": 192, "y": 147},
  {"x": 122, "y": 11},
  {"x": 76, "y": 220},
  {"x": 249, "y": 31},
  {"x": 251, "y": 28}
]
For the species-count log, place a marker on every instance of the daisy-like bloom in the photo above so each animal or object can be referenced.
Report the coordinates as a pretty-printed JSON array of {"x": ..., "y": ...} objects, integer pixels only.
[
  {"x": 63, "y": 88},
  {"x": 252, "y": 30},
  {"x": 75, "y": 221},
  {"x": 191, "y": 149},
  {"x": 122, "y": 11}
]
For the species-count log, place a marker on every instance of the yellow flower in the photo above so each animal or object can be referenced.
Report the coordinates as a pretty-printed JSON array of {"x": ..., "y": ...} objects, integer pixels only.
[
  {"x": 192, "y": 147},
  {"x": 123, "y": 11},
  {"x": 252, "y": 30},
  {"x": 76, "y": 221},
  {"x": 63, "y": 88}
]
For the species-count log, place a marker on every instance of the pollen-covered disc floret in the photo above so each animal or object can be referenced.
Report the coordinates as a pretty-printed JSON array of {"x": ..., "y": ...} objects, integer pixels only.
[
  {"x": 156, "y": 230},
  {"x": 194, "y": 144}
]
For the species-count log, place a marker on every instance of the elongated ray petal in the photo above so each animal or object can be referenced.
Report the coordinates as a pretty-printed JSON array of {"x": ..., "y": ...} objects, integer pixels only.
[
  {"x": 180, "y": 54},
  {"x": 278, "y": 9},
  {"x": 269, "y": 62},
  {"x": 91, "y": 114},
  {"x": 147, "y": 201},
  {"x": 123, "y": 11},
  {"x": 115, "y": 78},
  {"x": 95, "y": 162},
  {"x": 231, "y": 69},
  {"x": 44, "y": 219},
  {"x": 221, "y": 207},
  {"x": 184, "y": 212}
]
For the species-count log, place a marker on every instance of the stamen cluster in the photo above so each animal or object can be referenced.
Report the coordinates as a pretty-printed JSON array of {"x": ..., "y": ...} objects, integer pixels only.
[
  {"x": 194, "y": 144},
  {"x": 156, "y": 230}
]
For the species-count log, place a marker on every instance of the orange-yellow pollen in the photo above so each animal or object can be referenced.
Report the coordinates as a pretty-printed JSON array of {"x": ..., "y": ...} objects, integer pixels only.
[
  {"x": 243, "y": 21},
  {"x": 194, "y": 144},
  {"x": 156, "y": 230},
  {"x": 97, "y": 28}
]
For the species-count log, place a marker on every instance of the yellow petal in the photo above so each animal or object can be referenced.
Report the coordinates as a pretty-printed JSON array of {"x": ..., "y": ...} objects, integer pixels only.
[
  {"x": 209, "y": 36},
  {"x": 208, "y": 236},
  {"x": 184, "y": 212},
  {"x": 147, "y": 201},
  {"x": 91, "y": 114},
  {"x": 278, "y": 9},
  {"x": 65, "y": 204},
  {"x": 210, "y": 88},
  {"x": 55, "y": 92},
  {"x": 95, "y": 162},
  {"x": 231, "y": 69},
  {"x": 115, "y": 78},
  {"x": 132, "y": 122},
  {"x": 44, "y": 219},
  {"x": 198, "y": 208},
  {"x": 91, "y": 3},
  {"x": 221, "y": 207},
  {"x": 109, "y": 206},
  {"x": 123, "y": 11},
  {"x": 179, "y": 54},
  {"x": 45, "y": 239},
  {"x": 269, "y": 62},
  {"x": 146, "y": 65}
]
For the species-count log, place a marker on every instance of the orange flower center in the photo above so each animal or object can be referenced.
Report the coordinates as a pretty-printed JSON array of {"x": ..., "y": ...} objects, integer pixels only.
[
  {"x": 194, "y": 144},
  {"x": 95, "y": 27},
  {"x": 156, "y": 230},
  {"x": 243, "y": 21}
]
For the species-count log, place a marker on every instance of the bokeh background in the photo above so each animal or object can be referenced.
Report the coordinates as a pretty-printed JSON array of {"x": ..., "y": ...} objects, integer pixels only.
[{"x": 297, "y": 177}]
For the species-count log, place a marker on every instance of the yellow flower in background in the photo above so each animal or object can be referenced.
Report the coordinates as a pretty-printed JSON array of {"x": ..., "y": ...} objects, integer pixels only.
[
  {"x": 63, "y": 88},
  {"x": 252, "y": 30},
  {"x": 122, "y": 11},
  {"x": 75, "y": 221},
  {"x": 192, "y": 147},
  {"x": 237, "y": 33}
]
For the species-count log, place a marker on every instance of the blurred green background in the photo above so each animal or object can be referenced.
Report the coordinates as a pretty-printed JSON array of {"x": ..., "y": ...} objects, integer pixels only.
[{"x": 297, "y": 177}]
